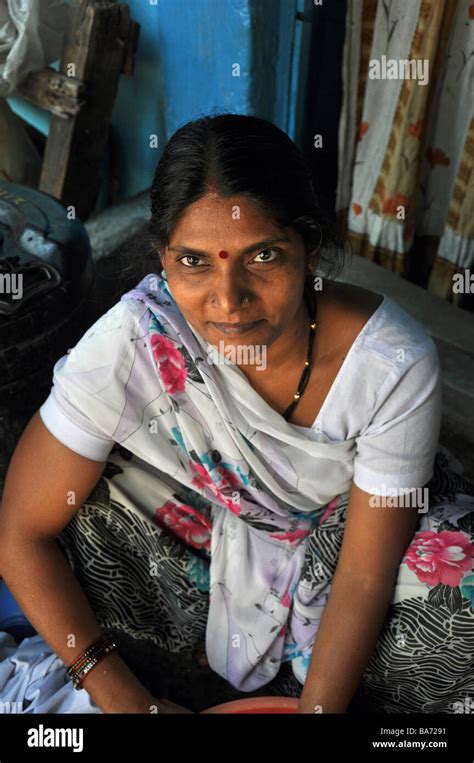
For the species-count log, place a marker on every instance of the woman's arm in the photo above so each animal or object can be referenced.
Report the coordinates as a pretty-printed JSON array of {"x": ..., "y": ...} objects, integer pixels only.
[
  {"x": 375, "y": 540},
  {"x": 42, "y": 477}
]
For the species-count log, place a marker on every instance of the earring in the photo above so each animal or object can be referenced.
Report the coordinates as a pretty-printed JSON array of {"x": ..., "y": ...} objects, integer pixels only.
[
  {"x": 163, "y": 274},
  {"x": 245, "y": 299}
]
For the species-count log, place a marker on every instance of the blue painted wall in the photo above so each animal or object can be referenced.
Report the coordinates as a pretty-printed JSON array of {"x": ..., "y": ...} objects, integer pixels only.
[
  {"x": 183, "y": 71},
  {"x": 186, "y": 65}
]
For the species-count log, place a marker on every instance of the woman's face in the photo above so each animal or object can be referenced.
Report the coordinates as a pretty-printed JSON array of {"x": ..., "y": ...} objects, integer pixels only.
[{"x": 264, "y": 263}]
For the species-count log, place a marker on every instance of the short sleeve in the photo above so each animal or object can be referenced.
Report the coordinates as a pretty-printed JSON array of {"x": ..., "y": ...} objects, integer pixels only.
[
  {"x": 89, "y": 386},
  {"x": 398, "y": 447}
]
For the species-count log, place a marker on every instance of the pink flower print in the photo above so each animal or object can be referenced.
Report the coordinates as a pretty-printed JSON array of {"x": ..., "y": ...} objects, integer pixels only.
[
  {"x": 286, "y": 601},
  {"x": 291, "y": 535},
  {"x": 228, "y": 478},
  {"x": 170, "y": 362},
  {"x": 440, "y": 557},
  {"x": 185, "y": 522},
  {"x": 330, "y": 508},
  {"x": 203, "y": 480}
]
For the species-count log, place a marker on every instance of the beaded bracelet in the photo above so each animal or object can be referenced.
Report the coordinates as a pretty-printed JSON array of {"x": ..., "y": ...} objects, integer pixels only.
[
  {"x": 93, "y": 647},
  {"x": 85, "y": 662},
  {"x": 89, "y": 658},
  {"x": 89, "y": 652}
]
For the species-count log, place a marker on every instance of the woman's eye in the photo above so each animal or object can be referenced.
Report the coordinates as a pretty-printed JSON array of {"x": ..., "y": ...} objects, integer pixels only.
[
  {"x": 189, "y": 257},
  {"x": 265, "y": 251},
  {"x": 196, "y": 257}
]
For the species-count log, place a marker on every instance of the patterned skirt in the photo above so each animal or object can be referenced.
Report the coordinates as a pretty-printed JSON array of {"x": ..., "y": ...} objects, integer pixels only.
[{"x": 149, "y": 587}]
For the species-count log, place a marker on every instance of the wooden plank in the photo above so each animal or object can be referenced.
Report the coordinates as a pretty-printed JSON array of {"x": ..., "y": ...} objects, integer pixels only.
[
  {"x": 96, "y": 38},
  {"x": 53, "y": 91}
]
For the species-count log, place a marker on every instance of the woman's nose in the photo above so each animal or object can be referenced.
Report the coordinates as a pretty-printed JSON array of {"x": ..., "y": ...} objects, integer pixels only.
[{"x": 229, "y": 292}]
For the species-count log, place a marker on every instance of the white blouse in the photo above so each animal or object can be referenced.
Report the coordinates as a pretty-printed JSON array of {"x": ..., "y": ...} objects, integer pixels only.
[{"x": 387, "y": 394}]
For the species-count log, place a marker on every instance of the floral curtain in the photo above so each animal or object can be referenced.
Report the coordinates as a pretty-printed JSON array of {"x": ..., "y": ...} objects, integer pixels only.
[{"x": 405, "y": 192}]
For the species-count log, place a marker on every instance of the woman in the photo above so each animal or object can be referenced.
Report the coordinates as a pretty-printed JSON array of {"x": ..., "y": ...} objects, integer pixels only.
[{"x": 271, "y": 512}]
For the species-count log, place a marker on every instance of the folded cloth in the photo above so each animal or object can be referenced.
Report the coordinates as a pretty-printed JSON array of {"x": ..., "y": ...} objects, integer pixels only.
[{"x": 33, "y": 680}]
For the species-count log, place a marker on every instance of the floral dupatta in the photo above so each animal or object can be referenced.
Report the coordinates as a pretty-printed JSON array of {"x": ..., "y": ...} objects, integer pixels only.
[{"x": 268, "y": 484}]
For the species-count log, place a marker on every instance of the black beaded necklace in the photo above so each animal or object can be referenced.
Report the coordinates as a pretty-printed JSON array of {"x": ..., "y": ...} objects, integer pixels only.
[{"x": 310, "y": 299}]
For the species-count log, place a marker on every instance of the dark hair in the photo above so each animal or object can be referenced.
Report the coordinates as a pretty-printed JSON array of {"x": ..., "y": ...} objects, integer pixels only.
[{"x": 243, "y": 156}]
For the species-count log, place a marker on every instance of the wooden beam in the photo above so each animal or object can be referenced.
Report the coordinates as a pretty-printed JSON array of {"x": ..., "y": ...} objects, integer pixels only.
[
  {"x": 94, "y": 52},
  {"x": 53, "y": 91}
]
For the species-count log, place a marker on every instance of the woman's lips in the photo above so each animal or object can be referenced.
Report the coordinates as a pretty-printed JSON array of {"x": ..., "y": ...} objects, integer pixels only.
[{"x": 238, "y": 328}]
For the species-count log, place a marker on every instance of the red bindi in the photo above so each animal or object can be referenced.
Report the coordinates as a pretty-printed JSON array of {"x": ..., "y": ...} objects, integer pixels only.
[{"x": 223, "y": 254}]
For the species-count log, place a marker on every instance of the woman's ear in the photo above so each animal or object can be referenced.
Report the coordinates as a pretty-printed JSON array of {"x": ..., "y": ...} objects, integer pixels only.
[
  {"x": 155, "y": 248},
  {"x": 159, "y": 253}
]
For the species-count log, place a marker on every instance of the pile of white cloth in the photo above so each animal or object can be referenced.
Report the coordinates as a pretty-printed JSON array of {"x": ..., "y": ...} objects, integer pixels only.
[{"x": 33, "y": 680}]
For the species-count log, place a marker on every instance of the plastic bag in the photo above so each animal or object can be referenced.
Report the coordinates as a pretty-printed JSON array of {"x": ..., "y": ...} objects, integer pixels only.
[{"x": 31, "y": 36}]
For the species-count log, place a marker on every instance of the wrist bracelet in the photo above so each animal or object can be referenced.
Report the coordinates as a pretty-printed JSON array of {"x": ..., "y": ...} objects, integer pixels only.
[
  {"x": 90, "y": 649},
  {"x": 92, "y": 660},
  {"x": 91, "y": 664},
  {"x": 89, "y": 658}
]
